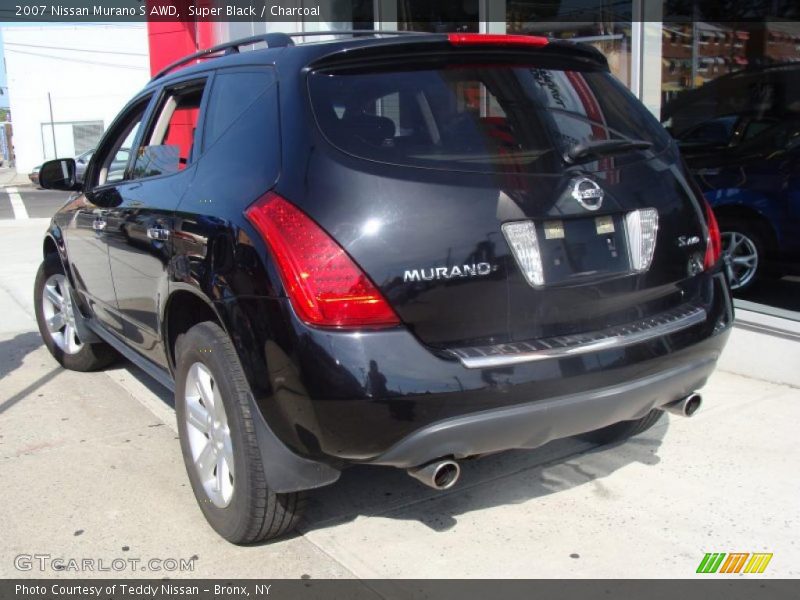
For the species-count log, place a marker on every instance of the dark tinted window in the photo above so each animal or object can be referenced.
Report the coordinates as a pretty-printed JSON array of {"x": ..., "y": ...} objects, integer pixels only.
[
  {"x": 475, "y": 117},
  {"x": 233, "y": 93},
  {"x": 771, "y": 142},
  {"x": 716, "y": 131}
]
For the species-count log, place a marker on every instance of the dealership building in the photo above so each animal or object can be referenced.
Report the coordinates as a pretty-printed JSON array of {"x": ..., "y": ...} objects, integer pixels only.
[{"x": 67, "y": 83}]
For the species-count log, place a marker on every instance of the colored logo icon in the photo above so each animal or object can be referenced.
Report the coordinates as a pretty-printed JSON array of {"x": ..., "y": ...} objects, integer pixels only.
[{"x": 734, "y": 562}]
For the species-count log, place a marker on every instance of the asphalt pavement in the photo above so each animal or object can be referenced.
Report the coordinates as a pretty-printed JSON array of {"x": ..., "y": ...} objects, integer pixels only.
[
  {"x": 29, "y": 202},
  {"x": 91, "y": 469}
]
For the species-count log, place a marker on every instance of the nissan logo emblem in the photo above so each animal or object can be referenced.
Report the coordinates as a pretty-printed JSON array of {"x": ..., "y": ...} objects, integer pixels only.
[{"x": 587, "y": 193}]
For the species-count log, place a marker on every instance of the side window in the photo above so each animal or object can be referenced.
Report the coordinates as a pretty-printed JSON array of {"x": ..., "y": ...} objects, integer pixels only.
[
  {"x": 756, "y": 127},
  {"x": 168, "y": 145},
  {"x": 233, "y": 93},
  {"x": 114, "y": 154}
]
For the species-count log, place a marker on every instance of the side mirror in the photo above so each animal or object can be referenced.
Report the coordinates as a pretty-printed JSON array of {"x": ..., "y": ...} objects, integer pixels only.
[{"x": 59, "y": 174}]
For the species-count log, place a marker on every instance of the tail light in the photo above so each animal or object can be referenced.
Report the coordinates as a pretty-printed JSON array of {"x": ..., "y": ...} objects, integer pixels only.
[
  {"x": 714, "y": 245},
  {"x": 521, "y": 236},
  {"x": 326, "y": 288},
  {"x": 641, "y": 229},
  {"x": 495, "y": 39}
]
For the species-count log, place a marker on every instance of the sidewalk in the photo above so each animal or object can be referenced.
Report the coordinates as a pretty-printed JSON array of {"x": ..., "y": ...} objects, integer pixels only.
[{"x": 10, "y": 177}]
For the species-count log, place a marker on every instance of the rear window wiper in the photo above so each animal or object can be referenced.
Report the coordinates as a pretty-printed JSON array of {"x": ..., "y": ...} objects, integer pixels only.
[{"x": 586, "y": 151}]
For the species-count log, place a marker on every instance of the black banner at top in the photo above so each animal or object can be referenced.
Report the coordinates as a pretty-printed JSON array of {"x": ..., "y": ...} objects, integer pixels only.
[{"x": 361, "y": 13}]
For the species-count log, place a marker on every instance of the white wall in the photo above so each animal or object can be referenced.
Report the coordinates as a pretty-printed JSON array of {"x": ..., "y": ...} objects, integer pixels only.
[{"x": 91, "y": 71}]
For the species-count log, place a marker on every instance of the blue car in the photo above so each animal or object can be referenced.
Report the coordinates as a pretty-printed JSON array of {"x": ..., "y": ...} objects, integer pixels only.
[
  {"x": 746, "y": 158},
  {"x": 753, "y": 185}
]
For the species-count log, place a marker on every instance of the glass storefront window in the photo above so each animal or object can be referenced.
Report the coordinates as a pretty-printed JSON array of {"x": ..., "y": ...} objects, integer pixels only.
[
  {"x": 696, "y": 53},
  {"x": 605, "y": 24},
  {"x": 730, "y": 96},
  {"x": 439, "y": 17}
]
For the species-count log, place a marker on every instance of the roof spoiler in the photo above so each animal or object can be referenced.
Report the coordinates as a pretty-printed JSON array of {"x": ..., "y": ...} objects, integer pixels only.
[
  {"x": 282, "y": 40},
  {"x": 432, "y": 44}
]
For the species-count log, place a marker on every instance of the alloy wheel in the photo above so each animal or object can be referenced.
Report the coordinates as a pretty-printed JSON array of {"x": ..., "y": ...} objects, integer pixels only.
[
  {"x": 209, "y": 435},
  {"x": 59, "y": 314},
  {"x": 742, "y": 255}
]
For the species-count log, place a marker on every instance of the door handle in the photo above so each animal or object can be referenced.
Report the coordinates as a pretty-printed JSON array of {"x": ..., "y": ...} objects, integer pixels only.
[{"x": 158, "y": 233}]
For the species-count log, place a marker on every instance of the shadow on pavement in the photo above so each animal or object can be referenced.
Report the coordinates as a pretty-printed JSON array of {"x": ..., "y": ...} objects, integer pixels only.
[
  {"x": 151, "y": 384},
  {"x": 14, "y": 350},
  {"x": 12, "y": 353},
  {"x": 501, "y": 479}
]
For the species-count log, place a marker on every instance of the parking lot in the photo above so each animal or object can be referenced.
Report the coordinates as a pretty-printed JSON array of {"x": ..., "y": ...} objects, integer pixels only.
[{"x": 92, "y": 470}]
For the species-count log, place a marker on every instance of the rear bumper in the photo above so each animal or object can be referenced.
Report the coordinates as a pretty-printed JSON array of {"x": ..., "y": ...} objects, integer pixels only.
[
  {"x": 533, "y": 424},
  {"x": 385, "y": 398}
]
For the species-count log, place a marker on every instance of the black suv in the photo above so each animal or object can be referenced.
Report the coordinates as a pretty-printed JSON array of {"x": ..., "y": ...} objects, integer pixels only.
[{"x": 400, "y": 250}]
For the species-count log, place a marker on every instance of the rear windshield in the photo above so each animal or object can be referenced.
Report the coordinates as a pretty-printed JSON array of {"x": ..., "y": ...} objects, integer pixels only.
[{"x": 478, "y": 118}]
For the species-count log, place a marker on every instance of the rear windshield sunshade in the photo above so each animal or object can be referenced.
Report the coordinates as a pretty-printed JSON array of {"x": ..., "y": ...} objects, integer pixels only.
[{"x": 483, "y": 118}]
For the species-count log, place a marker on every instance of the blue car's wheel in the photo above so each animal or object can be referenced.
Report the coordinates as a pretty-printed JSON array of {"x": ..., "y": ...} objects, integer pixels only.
[{"x": 743, "y": 250}]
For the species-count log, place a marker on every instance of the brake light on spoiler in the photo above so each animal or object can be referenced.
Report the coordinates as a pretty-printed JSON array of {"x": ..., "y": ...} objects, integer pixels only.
[{"x": 495, "y": 39}]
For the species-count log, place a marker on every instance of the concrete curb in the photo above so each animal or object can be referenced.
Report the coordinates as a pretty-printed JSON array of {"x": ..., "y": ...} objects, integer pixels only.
[{"x": 762, "y": 348}]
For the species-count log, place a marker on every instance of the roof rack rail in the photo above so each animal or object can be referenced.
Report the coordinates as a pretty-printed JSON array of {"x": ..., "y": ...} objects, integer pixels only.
[
  {"x": 357, "y": 32},
  {"x": 272, "y": 40}
]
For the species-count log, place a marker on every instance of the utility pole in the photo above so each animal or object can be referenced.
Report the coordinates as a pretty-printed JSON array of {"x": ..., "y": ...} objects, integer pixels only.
[{"x": 52, "y": 125}]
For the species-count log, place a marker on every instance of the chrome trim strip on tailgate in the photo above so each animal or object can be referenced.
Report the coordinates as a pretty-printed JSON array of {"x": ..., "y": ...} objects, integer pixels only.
[{"x": 481, "y": 357}]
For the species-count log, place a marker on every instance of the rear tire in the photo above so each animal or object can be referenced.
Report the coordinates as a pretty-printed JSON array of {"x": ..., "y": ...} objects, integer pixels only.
[
  {"x": 213, "y": 406},
  {"x": 55, "y": 318},
  {"x": 619, "y": 432}
]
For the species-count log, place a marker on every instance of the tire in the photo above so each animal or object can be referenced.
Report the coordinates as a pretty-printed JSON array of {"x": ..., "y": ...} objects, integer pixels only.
[
  {"x": 749, "y": 243},
  {"x": 63, "y": 344},
  {"x": 619, "y": 432},
  {"x": 246, "y": 511}
]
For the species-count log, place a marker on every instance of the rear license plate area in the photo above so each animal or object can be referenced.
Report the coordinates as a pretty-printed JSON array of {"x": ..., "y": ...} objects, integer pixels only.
[{"x": 587, "y": 247}]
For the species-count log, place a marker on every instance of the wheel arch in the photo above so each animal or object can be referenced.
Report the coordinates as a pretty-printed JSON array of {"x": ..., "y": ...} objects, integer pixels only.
[
  {"x": 187, "y": 306},
  {"x": 49, "y": 246},
  {"x": 183, "y": 309},
  {"x": 53, "y": 243},
  {"x": 285, "y": 471}
]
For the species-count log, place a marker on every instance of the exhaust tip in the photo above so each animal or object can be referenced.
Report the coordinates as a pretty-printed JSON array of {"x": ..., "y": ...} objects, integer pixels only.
[
  {"x": 692, "y": 404},
  {"x": 685, "y": 407},
  {"x": 439, "y": 474},
  {"x": 446, "y": 475}
]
